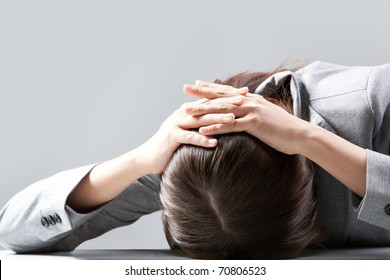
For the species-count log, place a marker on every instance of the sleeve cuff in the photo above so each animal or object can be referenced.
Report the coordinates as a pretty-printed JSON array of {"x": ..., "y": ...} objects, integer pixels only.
[
  {"x": 374, "y": 208},
  {"x": 37, "y": 217},
  {"x": 53, "y": 195}
]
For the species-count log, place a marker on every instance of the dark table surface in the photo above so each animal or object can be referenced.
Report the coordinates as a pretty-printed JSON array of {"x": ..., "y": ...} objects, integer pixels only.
[{"x": 377, "y": 253}]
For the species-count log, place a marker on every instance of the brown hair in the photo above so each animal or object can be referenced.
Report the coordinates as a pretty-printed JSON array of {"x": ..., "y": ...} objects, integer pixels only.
[{"x": 241, "y": 199}]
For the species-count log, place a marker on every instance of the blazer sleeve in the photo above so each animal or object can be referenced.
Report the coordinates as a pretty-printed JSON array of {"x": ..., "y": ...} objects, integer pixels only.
[
  {"x": 37, "y": 219},
  {"x": 375, "y": 206}
]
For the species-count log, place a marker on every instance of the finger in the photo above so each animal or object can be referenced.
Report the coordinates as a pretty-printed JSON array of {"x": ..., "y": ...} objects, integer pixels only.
[
  {"x": 203, "y": 100},
  {"x": 254, "y": 95},
  {"x": 192, "y": 104},
  {"x": 194, "y": 138},
  {"x": 199, "y": 101},
  {"x": 212, "y": 93},
  {"x": 235, "y": 100},
  {"x": 225, "y": 88},
  {"x": 237, "y": 126},
  {"x": 205, "y": 120},
  {"x": 204, "y": 106},
  {"x": 215, "y": 107}
]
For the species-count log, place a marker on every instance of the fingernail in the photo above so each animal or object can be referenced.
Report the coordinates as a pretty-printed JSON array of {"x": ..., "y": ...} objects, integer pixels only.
[
  {"x": 212, "y": 141},
  {"x": 190, "y": 87},
  {"x": 189, "y": 108}
]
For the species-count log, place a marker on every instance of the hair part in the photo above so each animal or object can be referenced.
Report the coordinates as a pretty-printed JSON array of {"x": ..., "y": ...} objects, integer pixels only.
[{"x": 242, "y": 199}]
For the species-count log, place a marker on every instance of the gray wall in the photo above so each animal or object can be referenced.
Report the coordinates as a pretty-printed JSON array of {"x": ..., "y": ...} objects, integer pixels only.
[{"x": 84, "y": 81}]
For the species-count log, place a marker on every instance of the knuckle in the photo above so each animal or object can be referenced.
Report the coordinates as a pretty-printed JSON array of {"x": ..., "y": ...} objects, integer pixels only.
[
  {"x": 222, "y": 92},
  {"x": 197, "y": 108},
  {"x": 255, "y": 108},
  {"x": 228, "y": 127},
  {"x": 188, "y": 137},
  {"x": 259, "y": 99},
  {"x": 231, "y": 125},
  {"x": 255, "y": 119},
  {"x": 252, "y": 118},
  {"x": 224, "y": 107},
  {"x": 218, "y": 126}
]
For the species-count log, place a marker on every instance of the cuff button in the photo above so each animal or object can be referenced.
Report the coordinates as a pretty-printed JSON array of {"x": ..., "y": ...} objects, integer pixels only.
[
  {"x": 387, "y": 209},
  {"x": 45, "y": 222},
  {"x": 57, "y": 218},
  {"x": 51, "y": 220}
]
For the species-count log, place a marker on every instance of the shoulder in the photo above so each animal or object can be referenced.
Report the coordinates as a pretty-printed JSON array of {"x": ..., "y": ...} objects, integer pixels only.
[
  {"x": 359, "y": 94},
  {"x": 320, "y": 71},
  {"x": 323, "y": 79}
]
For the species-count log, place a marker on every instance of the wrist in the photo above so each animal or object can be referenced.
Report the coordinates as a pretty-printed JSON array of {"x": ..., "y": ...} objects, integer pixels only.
[
  {"x": 105, "y": 181},
  {"x": 342, "y": 159},
  {"x": 310, "y": 140},
  {"x": 306, "y": 136},
  {"x": 137, "y": 161}
]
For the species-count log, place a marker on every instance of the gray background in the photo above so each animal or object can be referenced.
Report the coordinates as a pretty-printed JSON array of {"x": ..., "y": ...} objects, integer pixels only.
[{"x": 85, "y": 81}]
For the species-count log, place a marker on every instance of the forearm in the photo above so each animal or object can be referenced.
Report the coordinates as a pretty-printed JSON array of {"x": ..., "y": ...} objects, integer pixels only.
[
  {"x": 343, "y": 160},
  {"x": 109, "y": 179},
  {"x": 106, "y": 180}
]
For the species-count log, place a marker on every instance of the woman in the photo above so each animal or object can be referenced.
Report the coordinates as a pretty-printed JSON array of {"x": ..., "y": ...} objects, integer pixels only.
[{"x": 338, "y": 121}]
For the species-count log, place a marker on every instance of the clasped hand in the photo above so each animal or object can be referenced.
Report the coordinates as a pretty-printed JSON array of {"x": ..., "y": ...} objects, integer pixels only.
[
  {"x": 253, "y": 114},
  {"x": 223, "y": 109}
]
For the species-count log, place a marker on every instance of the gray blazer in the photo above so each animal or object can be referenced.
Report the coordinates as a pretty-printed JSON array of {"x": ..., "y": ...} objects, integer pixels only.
[{"x": 349, "y": 101}]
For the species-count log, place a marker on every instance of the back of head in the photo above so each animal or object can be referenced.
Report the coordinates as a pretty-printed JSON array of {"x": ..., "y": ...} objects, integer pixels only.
[{"x": 242, "y": 199}]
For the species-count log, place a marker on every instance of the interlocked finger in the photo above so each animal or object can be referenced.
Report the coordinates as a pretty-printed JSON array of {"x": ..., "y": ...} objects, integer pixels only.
[
  {"x": 194, "y": 138},
  {"x": 213, "y": 92},
  {"x": 224, "y": 88},
  {"x": 237, "y": 126},
  {"x": 211, "y": 108},
  {"x": 205, "y": 120}
]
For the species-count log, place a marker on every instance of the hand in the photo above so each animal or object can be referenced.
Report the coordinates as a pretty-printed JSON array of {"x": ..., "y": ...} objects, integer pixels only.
[
  {"x": 108, "y": 179},
  {"x": 176, "y": 130},
  {"x": 255, "y": 115}
]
